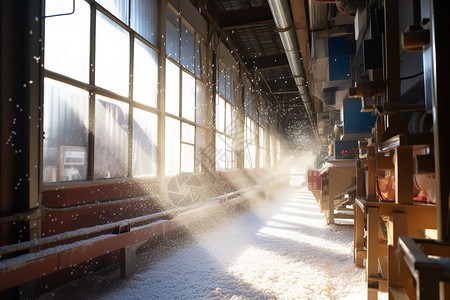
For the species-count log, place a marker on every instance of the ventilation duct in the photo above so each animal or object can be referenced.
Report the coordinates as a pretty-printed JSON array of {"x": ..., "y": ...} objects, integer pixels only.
[{"x": 284, "y": 24}]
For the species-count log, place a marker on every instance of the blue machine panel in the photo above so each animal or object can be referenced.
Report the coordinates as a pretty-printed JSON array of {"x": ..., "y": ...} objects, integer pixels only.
[
  {"x": 355, "y": 121},
  {"x": 340, "y": 50}
]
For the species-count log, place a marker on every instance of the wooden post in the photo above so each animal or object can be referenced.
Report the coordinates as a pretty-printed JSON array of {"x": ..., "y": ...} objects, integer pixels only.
[
  {"x": 403, "y": 175},
  {"x": 371, "y": 173},
  {"x": 372, "y": 253},
  {"x": 358, "y": 236},
  {"x": 127, "y": 262},
  {"x": 397, "y": 227}
]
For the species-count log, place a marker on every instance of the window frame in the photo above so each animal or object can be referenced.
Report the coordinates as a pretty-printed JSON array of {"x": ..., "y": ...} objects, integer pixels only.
[{"x": 96, "y": 91}]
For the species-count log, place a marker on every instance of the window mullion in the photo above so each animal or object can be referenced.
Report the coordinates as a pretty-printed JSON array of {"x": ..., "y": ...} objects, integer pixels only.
[
  {"x": 91, "y": 139},
  {"x": 130, "y": 107}
]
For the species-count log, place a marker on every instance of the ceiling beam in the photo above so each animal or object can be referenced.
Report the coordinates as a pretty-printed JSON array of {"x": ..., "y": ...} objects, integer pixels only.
[
  {"x": 267, "y": 62},
  {"x": 282, "y": 87},
  {"x": 286, "y": 92},
  {"x": 244, "y": 18},
  {"x": 298, "y": 10}
]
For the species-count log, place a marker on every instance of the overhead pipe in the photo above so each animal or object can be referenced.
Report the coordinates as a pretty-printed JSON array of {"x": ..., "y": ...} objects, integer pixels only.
[{"x": 285, "y": 26}]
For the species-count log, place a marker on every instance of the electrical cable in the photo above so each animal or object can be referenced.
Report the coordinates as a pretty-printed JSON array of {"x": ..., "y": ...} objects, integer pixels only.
[
  {"x": 379, "y": 191},
  {"x": 63, "y": 14},
  {"x": 405, "y": 78}
]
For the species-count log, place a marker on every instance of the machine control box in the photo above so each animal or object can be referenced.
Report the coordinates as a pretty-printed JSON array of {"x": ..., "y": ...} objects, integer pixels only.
[{"x": 343, "y": 150}]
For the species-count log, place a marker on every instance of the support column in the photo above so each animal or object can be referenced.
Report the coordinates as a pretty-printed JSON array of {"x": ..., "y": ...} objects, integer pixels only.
[
  {"x": 358, "y": 236},
  {"x": 372, "y": 253},
  {"x": 21, "y": 123},
  {"x": 21, "y": 114},
  {"x": 440, "y": 49},
  {"x": 240, "y": 121},
  {"x": 391, "y": 50},
  {"x": 162, "y": 90}
]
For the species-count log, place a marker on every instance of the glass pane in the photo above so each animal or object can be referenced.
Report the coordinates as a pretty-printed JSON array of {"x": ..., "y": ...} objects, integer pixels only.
[
  {"x": 221, "y": 80},
  {"x": 247, "y": 158},
  {"x": 145, "y": 132},
  {"x": 262, "y": 139},
  {"x": 198, "y": 70},
  {"x": 187, "y": 133},
  {"x": 187, "y": 158},
  {"x": 220, "y": 114},
  {"x": 112, "y": 56},
  {"x": 66, "y": 127},
  {"x": 262, "y": 158},
  {"x": 201, "y": 104},
  {"x": 228, "y": 84},
  {"x": 188, "y": 97},
  {"x": 220, "y": 151},
  {"x": 172, "y": 17},
  {"x": 187, "y": 48},
  {"x": 172, "y": 88},
  {"x": 172, "y": 41},
  {"x": 144, "y": 19},
  {"x": 204, "y": 61},
  {"x": 249, "y": 131},
  {"x": 200, "y": 145},
  {"x": 229, "y": 160},
  {"x": 118, "y": 8},
  {"x": 67, "y": 39},
  {"x": 111, "y": 138},
  {"x": 145, "y": 78},
  {"x": 228, "y": 124},
  {"x": 252, "y": 150},
  {"x": 232, "y": 91},
  {"x": 248, "y": 103},
  {"x": 229, "y": 144},
  {"x": 272, "y": 159},
  {"x": 172, "y": 160},
  {"x": 229, "y": 153}
]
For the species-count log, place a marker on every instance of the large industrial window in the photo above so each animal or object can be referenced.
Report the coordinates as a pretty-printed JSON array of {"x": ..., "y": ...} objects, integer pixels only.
[
  {"x": 101, "y": 78},
  {"x": 185, "y": 99},
  {"x": 180, "y": 152},
  {"x": 225, "y": 119}
]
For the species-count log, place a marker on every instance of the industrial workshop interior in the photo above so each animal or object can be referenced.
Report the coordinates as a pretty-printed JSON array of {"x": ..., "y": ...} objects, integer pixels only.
[{"x": 126, "y": 122}]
